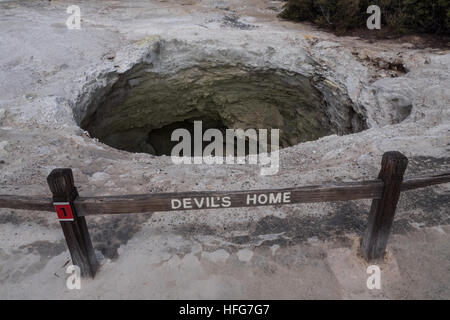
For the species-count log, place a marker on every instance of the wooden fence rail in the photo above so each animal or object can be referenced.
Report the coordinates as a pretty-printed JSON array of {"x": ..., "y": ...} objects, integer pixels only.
[
  {"x": 147, "y": 202},
  {"x": 385, "y": 192}
]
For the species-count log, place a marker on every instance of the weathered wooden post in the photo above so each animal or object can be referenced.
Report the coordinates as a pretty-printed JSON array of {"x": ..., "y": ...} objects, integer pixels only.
[
  {"x": 381, "y": 216},
  {"x": 75, "y": 230}
]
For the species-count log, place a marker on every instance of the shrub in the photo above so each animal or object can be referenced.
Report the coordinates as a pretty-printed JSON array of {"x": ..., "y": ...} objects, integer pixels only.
[{"x": 432, "y": 16}]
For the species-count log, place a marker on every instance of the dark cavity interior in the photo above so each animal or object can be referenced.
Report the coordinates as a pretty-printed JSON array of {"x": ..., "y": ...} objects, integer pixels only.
[{"x": 142, "y": 109}]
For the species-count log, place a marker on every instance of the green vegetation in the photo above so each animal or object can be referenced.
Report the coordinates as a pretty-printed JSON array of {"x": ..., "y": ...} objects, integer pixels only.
[{"x": 428, "y": 16}]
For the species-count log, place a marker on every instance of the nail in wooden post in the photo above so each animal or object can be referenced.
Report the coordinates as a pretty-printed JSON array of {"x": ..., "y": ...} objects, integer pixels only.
[
  {"x": 382, "y": 212},
  {"x": 75, "y": 230}
]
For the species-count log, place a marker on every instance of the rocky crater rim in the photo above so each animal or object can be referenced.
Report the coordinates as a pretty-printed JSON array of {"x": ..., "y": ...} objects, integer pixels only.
[{"x": 136, "y": 109}]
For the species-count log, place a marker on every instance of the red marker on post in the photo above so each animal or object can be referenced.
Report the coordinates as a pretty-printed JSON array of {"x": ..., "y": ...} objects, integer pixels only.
[{"x": 64, "y": 211}]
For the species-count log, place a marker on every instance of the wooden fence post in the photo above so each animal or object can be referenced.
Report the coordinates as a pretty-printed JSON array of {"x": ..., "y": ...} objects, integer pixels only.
[
  {"x": 75, "y": 230},
  {"x": 381, "y": 216}
]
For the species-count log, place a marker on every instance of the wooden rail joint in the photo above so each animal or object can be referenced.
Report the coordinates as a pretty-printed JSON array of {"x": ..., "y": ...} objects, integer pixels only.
[
  {"x": 382, "y": 211},
  {"x": 62, "y": 186}
]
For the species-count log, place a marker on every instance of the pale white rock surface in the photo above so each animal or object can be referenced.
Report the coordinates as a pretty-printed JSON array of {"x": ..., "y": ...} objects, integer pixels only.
[{"x": 50, "y": 76}]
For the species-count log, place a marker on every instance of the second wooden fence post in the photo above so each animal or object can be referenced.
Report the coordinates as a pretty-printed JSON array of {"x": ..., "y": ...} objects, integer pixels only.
[
  {"x": 381, "y": 216},
  {"x": 74, "y": 227}
]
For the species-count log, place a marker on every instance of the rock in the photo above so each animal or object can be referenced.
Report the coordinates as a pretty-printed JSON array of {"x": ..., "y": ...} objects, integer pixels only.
[
  {"x": 408, "y": 45},
  {"x": 245, "y": 255},
  {"x": 3, "y": 145},
  {"x": 2, "y": 115}
]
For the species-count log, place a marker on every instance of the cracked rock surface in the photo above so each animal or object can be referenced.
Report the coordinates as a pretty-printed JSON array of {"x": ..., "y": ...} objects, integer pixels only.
[{"x": 387, "y": 95}]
